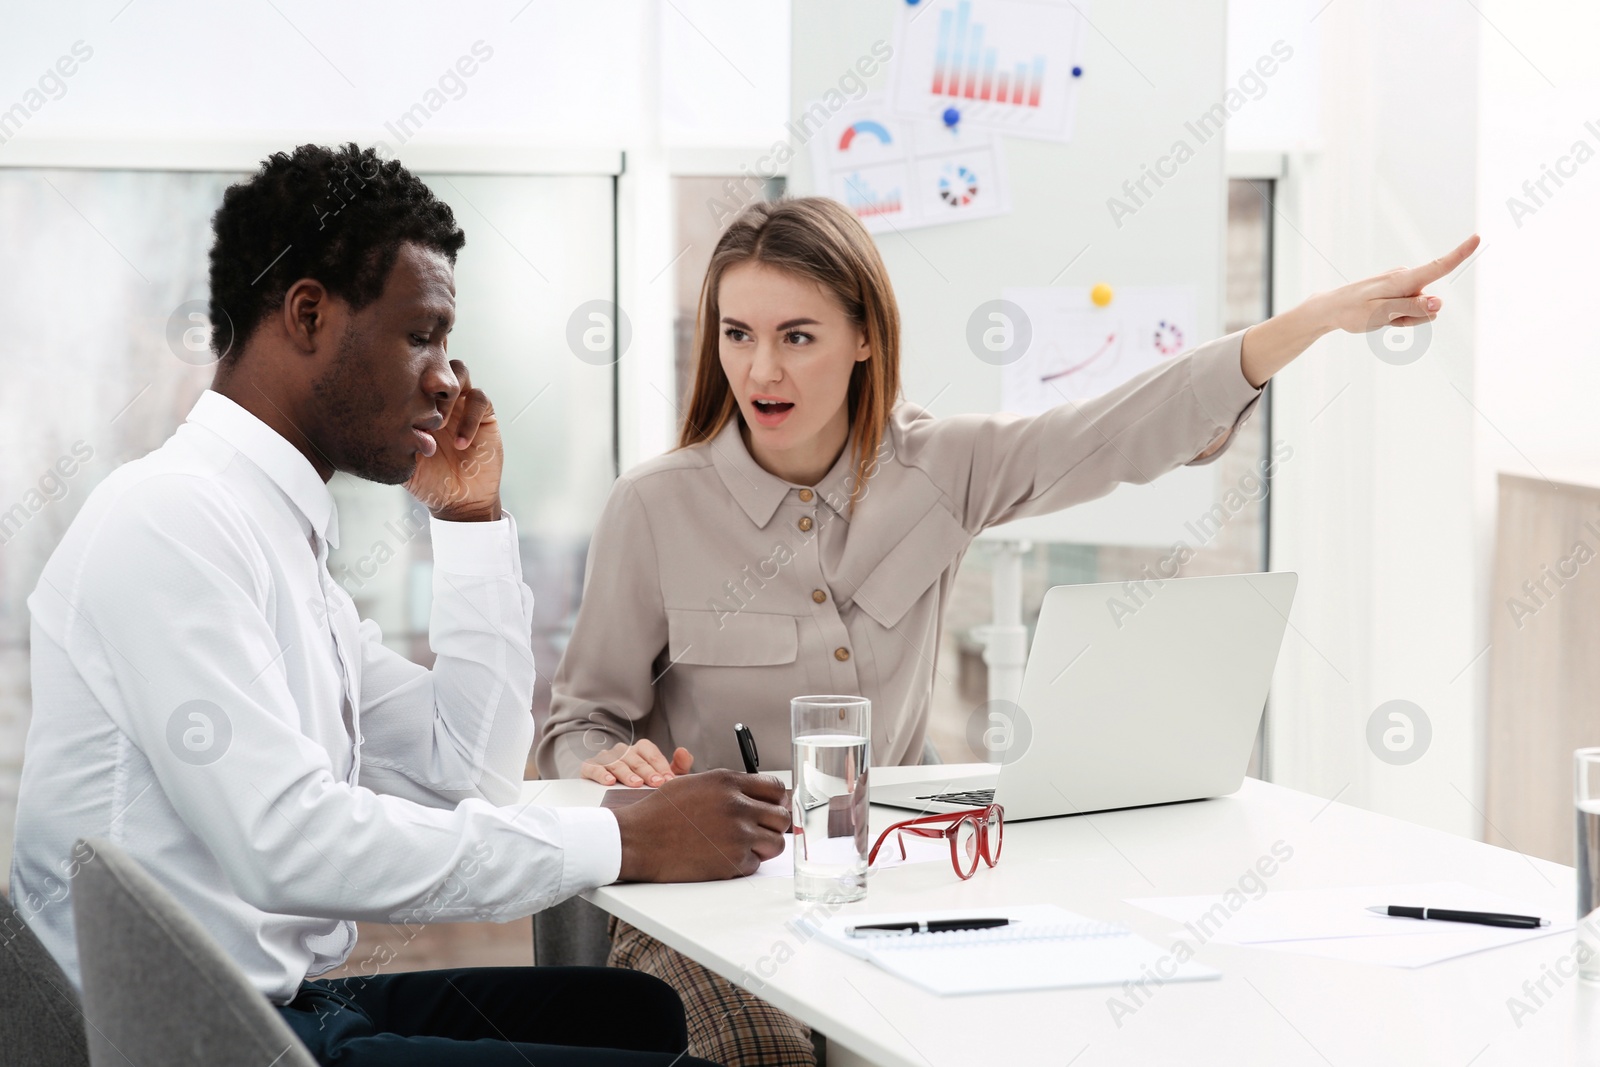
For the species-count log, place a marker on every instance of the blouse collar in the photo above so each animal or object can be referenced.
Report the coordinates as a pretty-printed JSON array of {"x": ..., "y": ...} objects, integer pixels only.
[{"x": 759, "y": 492}]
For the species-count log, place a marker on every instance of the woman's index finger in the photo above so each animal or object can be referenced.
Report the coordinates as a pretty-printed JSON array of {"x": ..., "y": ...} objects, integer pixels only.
[{"x": 1419, "y": 277}]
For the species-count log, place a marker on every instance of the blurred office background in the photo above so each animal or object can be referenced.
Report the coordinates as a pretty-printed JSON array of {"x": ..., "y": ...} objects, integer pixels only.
[{"x": 1433, "y": 509}]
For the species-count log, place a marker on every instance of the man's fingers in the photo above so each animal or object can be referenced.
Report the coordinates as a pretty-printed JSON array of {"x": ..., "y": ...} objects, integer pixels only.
[
  {"x": 761, "y": 787},
  {"x": 452, "y": 417},
  {"x": 1418, "y": 277},
  {"x": 471, "y": 409},
  {"x": 682, "y": 761},
  {"x": 475, "y": 412},
  {"x": 767, "y": 846},
  {"x": 773, "y": 817}
]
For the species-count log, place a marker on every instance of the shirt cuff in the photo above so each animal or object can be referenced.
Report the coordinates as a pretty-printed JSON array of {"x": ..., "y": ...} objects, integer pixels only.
[
  {"x": 1218, "y": 379},
  {"x": 591, "y": 849},
  {"x": 480, "y": 549}
]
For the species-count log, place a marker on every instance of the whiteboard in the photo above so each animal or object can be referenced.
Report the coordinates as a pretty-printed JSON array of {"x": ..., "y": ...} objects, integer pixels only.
[{"x": 1150, "y": 69}]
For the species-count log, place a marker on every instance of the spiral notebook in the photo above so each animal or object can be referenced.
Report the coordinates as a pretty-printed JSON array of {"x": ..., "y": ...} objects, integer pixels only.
[{"x": 1045, "y": 947}]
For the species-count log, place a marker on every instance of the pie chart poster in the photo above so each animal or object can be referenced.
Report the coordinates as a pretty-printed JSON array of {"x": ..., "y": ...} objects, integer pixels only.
[{"x": 897, "y": 173}]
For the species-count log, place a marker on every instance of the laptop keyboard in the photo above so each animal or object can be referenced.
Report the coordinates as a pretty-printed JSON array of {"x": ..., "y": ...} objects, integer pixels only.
[{"x": 972, "y": 798}]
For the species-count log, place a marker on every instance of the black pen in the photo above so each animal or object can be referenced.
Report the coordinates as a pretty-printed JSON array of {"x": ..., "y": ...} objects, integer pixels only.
[
  {"x": 747, "y": 747},
  {"x": 925, "y": 927},
  {"x": 1482, "y": 918}
]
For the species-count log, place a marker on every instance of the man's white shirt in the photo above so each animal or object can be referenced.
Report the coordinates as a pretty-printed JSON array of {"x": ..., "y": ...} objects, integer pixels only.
[{"x": 205, "y": 696}]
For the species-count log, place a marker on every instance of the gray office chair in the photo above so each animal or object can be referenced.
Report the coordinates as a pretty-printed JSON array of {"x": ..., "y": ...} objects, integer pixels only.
[
  {"x": 156, "y": 987},
  {"x": 41, "y": 1021}
]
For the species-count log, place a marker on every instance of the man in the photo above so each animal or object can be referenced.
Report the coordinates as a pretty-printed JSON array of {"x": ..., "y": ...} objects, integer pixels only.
[{"x": 206, "y": 696}]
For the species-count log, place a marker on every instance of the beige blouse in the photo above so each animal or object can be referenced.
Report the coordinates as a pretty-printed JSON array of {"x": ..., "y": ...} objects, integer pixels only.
[{"x": 716, "y": 591}]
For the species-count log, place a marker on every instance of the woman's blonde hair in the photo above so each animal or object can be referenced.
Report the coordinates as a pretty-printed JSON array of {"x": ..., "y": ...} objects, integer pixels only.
[{"x": 820, "y": 240}]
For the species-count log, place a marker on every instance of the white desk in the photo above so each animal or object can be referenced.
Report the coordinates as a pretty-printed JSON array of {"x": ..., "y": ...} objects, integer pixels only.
[{"x": 1269, "y": 1007}]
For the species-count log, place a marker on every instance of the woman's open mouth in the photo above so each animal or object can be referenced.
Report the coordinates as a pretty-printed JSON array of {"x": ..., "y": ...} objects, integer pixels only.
[{"x": 771, "y": 412}]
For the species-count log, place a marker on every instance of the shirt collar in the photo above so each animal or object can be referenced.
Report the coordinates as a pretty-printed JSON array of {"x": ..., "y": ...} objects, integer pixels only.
[
  {"x": 279, "y": 460},
  {"x": 758, "y": 491}
]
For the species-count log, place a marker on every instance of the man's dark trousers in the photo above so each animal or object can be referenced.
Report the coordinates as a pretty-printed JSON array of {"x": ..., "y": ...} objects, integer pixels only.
[{"x": 493, "y": 1017}]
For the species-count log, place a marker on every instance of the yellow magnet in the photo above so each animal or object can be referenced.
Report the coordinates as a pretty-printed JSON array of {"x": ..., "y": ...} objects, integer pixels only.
[{"x": 1100, "y": 295}]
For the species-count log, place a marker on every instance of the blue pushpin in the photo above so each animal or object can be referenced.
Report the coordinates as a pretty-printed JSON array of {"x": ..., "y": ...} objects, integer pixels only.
[
  {"x": 951, "y": 116},
  {"x": 1077, "y": 72}
]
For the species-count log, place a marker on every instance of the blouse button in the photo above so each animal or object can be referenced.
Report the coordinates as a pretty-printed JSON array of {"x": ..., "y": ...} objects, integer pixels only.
[
  {"x": 805, "y": 523},
  {"x": 841, "y": 654},
  {"x": 805, "y": 496},
  {"x": 818, "y": 595}
]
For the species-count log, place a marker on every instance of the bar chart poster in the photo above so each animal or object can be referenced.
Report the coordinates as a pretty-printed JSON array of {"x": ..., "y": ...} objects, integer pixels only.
[
  {"x": 1012, "y": 66},
  {"x": 897, "y": 173}
]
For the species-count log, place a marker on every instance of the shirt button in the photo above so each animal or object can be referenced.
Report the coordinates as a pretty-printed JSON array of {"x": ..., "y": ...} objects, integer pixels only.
[
  {"x": 841, "y": 654},
  {"x": 818, "y": 595},
  {"x": 805, "y": 496},
  {"x": 805, "y": 524}
]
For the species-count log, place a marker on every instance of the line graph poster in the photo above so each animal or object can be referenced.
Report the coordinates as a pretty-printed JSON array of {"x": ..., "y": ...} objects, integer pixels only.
[
  {"x": 1012, "y": 66},
  {"x": 1079, "y": 351},
  {"x": 897, "y": 173}
]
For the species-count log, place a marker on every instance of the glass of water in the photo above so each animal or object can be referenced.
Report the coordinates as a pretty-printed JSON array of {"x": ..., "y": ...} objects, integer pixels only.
[
  {"x": 832, "y": 748},
  {"x": 1587, "y": 796}
]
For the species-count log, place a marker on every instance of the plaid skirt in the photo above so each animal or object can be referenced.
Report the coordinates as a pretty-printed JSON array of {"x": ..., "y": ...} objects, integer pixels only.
[{"x": 726, "y": 1024}]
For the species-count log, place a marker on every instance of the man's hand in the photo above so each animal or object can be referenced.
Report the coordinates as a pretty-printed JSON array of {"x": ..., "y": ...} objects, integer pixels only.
[
  {"x": 640, "y": 763},
  {"x": 460, "y": 482},
  {"x": 703, "y": 827}
]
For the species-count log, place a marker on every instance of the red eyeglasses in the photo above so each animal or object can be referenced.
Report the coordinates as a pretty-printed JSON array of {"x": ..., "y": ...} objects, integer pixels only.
[{"x": 974, "y": 833}]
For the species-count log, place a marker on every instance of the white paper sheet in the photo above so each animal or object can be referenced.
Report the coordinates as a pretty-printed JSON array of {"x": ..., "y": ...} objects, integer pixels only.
[
  {"x": 1047, "y": 947},
  {"x": 1414, "y": 950},
  {"x": 1335, "y": 923}
]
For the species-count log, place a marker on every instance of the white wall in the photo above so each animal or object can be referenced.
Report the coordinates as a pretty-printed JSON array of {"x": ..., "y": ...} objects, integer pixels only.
[
  {"x": 560, "y": 74},
  {"x": 1285, "y": 118},
  {"x": 1376, "y": 510},
  {"x": 1539, "y": 363},
  {"x": 1539, "y": 360}
]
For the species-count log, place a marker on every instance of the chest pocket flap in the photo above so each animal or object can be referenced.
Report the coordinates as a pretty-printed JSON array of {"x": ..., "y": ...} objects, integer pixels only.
[
  {"x": 911, "y": 566},
  {"x": 726, "y": 639}
]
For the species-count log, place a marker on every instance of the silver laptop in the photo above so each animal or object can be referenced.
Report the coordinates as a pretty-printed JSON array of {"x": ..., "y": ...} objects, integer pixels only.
[{"x": 1134, "y": 694}]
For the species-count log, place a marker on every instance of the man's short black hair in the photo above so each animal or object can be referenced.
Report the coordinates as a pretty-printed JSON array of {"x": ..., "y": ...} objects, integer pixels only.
[{"x": 338, "y": 215}]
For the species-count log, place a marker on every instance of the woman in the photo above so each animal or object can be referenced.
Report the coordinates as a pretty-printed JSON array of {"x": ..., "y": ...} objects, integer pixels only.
[{"x": 804, "y": 535}]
